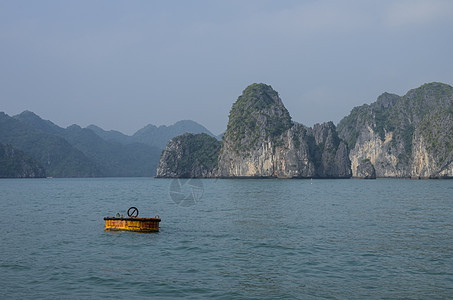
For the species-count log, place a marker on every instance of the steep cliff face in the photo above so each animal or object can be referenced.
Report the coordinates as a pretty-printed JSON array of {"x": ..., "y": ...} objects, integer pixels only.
[
  {"x": 189, "y": 156},
  {"x": 285, "y": 156},
  {"x": 329, "y": 153},
  {"x": 432, "y": 149},
  {"x": 408, "y": 136},
  {"x": 262, "y": 141},
  {"x": 16, "y": 164}
]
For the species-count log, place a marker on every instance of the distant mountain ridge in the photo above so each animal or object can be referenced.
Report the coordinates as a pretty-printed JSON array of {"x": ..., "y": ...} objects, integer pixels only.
[
  {"x": 152, "y": 135},
  {"x": 88, "y": 152},
  {"x": 111, "y": 135},
  {"x": 53, "y": 152}
]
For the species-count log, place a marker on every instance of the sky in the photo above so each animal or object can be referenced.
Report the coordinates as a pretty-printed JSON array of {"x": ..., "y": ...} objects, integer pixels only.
[{"x": 124, "y": 64}]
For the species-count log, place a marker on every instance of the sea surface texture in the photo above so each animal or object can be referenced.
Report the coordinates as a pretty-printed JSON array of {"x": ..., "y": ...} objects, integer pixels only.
[{"x": 228, "y": 239}]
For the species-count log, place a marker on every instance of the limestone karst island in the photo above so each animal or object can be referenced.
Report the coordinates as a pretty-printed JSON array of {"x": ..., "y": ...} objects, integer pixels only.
[{"x": 408, "y": 136}]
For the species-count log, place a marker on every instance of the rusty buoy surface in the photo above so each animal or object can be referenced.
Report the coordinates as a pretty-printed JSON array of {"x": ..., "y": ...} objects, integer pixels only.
[{"x": 132, "y": 223}]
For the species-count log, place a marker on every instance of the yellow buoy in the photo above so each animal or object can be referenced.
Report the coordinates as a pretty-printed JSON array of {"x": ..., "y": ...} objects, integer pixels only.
[{"x": 132, "y": 223}]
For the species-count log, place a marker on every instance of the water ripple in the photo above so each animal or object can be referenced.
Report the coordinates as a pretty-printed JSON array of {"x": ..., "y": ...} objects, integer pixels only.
[{"x": 254, "y": 239}]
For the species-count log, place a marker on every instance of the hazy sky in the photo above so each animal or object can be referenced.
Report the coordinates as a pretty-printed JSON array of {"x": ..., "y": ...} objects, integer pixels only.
[{"x": 124, "y": 64}]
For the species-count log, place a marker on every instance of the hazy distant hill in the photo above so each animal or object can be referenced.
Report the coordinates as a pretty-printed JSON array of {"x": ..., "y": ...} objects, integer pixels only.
[
  {"x": 152, "y": 135},
  {"x": 159, "y": 136},
  {"x": 112, "y": 158},
  {"x": 16, "y": 164},
  {"x": 112, "y": 135},
  {"x": 34, "y": 121},
  {"x": 92, "y": 151},
  {"x": 116, "y": 159},
  {"x": 54, "y": 153}
]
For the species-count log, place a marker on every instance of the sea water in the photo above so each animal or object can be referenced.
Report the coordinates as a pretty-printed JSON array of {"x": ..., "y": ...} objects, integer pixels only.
[{"x": 227, "y": 239}]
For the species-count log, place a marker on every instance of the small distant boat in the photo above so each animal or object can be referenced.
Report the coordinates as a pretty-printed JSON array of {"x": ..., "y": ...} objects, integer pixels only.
[{"x": 132, "y": 223}]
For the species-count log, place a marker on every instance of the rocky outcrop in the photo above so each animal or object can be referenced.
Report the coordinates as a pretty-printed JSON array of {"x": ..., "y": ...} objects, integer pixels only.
[
  {"x": 365, "y": 170},
  {"x": 16, "y": 164},
  {"x": 189, "y": 156},
  {"x": 403, "y": 137},
  {"x": 261, "y": 141},
  {"x": 397, "y": 137}
]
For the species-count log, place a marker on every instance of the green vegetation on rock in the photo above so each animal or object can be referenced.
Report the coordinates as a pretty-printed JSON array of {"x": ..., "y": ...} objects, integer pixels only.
[
  {"x": 190, "y": 155},
  {"x": 257, "y": 113}
]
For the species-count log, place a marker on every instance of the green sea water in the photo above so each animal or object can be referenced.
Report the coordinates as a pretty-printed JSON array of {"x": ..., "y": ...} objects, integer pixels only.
[{"x": 228, "y": 239}]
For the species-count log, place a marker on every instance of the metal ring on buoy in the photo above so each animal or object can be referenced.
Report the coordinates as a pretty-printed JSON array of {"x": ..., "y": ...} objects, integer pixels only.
[{"x": 156, "y": 217}]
